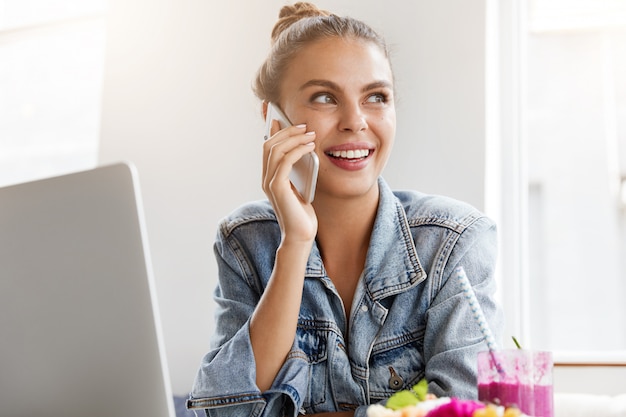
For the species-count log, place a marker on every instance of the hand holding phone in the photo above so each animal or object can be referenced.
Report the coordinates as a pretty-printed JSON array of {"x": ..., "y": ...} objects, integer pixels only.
[{"x": 304, "y": 173}]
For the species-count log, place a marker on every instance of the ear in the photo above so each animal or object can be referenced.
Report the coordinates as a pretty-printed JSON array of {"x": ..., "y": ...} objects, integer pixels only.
[{"x": 264, "y": 109}]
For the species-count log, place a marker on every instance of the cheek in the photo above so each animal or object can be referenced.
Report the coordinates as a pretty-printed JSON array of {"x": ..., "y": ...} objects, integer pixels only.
[
  {"x": 387, "y": 139},
  {"x": 386, "y": 131},
  {"x": 322, "y": 131}
]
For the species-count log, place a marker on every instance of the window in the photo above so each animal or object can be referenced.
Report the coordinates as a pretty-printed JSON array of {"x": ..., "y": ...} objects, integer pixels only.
[
  {"x": 52, "y": 55},
  {"x": 562, "y": 104},
  {"x": 576, "y": 138}
]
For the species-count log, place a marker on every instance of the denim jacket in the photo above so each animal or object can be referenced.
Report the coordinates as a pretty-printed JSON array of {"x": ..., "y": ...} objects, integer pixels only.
[{"x": 409, "y": 320}]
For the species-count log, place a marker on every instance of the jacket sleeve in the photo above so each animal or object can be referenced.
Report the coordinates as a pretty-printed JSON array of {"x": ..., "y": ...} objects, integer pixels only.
[
  {"x": 451, "y": 354},
  {"x": 225, "y": 384}
]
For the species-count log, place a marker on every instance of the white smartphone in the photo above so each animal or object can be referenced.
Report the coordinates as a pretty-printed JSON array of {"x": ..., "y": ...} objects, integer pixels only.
[{"x": 304, "y": 173}]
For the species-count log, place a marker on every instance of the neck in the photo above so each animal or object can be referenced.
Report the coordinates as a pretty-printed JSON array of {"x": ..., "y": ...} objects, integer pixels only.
[
  {"x": 343, "y": 236},
  {"x": 345, "y": 225}
]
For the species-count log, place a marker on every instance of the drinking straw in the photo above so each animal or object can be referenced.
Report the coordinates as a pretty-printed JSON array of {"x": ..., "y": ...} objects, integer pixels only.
[{"x": 479, "y": 316}]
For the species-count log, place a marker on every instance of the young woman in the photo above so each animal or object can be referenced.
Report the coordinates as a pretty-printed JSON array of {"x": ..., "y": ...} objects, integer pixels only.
[{"x": 330, "y": 306}]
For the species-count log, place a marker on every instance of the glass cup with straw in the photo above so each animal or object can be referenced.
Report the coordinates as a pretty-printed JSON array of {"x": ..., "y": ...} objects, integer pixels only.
[{"x": 510, "y": 377}]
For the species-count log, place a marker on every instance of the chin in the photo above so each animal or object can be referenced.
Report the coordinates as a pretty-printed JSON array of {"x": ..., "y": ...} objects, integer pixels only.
[{"x": 349, "y": 189}]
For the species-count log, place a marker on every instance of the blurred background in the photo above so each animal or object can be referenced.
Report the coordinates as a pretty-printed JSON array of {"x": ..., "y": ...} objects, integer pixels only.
[{"x": 518, "y": 107}]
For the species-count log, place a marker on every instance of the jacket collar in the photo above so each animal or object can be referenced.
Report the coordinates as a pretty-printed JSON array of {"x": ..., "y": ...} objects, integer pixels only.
[{"x": 392, "y": 263}]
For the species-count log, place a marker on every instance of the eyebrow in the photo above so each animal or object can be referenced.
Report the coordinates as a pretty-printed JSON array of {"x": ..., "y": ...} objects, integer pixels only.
[{"x": 333, "y": 86}]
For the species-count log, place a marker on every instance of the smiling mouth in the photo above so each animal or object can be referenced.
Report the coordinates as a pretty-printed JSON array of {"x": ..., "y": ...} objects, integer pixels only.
[{"x": 355, "y": 154}]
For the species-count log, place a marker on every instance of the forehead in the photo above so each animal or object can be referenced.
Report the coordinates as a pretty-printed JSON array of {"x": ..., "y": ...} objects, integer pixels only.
[{"x": 343, "y": 61}]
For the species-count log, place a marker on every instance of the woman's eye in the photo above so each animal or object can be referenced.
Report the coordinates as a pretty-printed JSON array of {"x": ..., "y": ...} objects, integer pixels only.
[
  {"x": 324, "y": 99},
  {"x": 377, "y": 98}
]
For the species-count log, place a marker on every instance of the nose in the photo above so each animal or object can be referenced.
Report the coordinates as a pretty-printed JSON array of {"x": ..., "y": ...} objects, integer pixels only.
[{"x": 352, "y": 119}]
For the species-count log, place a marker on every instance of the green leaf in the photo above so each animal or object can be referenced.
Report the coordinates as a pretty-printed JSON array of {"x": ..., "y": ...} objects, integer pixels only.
[
  {"x": 421, "y": 389},
  {"x": 405, "y": 398},
  {"x": 402, "y": 399},
  {"x": 516, "y": 342}
]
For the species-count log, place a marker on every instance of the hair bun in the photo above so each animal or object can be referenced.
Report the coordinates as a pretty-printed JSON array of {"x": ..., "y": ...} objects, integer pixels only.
[{"x": 290, "y": 14}]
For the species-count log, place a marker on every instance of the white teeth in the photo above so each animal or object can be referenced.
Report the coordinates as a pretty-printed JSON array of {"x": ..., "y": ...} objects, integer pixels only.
[{"x": 351, "y": 154}]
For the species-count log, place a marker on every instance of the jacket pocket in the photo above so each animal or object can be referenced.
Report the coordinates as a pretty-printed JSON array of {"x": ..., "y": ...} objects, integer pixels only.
[
  {"x": 395, "y": 364},
  {"x": 312, "y": 342}
]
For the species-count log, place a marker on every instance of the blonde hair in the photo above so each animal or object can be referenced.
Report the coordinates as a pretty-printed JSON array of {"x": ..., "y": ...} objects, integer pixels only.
[{"x": 299, "y": 25}]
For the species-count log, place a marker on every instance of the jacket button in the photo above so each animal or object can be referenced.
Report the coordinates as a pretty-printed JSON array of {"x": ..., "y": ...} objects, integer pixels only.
[{"x": 395, "y": 381}]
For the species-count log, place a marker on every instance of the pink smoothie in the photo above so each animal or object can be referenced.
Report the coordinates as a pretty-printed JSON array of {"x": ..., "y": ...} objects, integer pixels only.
[
  {"x": 535, "y": 401},
  {"x": 544, "y": 401}
]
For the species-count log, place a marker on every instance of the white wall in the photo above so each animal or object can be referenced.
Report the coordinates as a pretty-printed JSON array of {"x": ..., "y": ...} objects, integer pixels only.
[{"x": 177, "y": 102}]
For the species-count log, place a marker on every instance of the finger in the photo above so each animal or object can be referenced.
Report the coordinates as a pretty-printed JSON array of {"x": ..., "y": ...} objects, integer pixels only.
[
  {"x": 285, "y": 134},
  {"x": 288, "y": 150},
  {"x": 281, "y": 145},
  {"x": 278, "y": 133},
  {"x": 279, "y": 179}
]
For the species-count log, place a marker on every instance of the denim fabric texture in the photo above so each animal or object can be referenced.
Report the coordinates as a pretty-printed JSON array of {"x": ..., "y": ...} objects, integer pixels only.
[{"x": 408, "y": 321}]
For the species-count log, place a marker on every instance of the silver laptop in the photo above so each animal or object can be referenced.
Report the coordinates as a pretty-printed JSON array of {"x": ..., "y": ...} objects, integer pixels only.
[{"x": 79, "y": 325}]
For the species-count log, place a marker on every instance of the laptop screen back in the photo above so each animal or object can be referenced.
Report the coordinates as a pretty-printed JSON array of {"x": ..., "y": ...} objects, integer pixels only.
[{"x": 79, "y": 328}]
